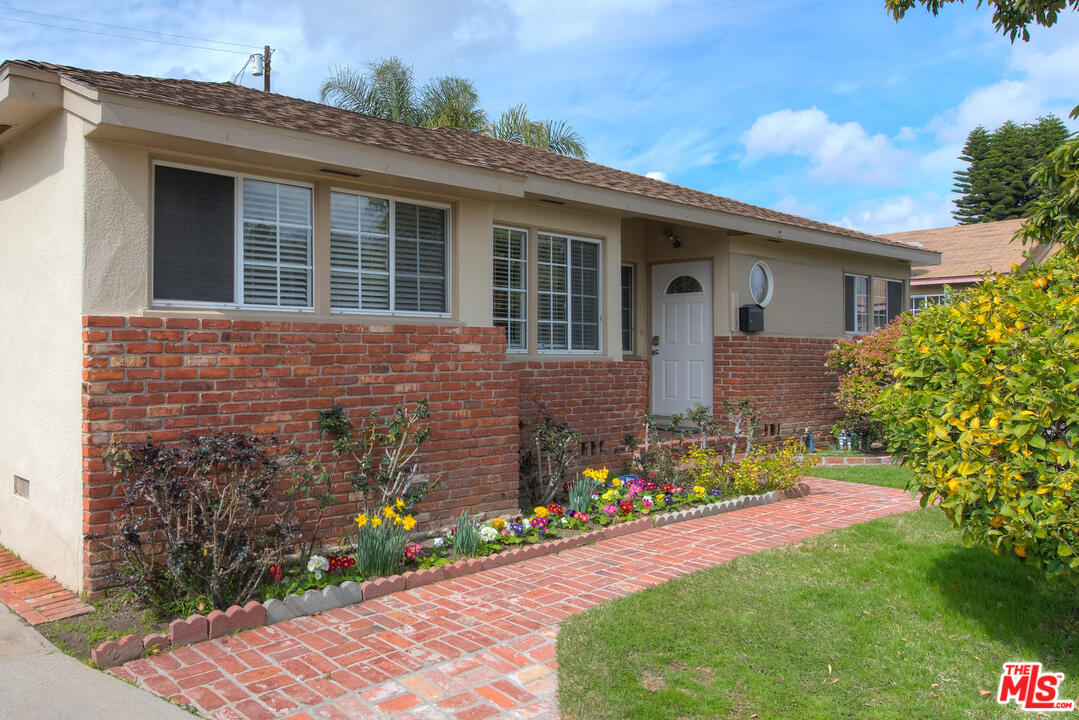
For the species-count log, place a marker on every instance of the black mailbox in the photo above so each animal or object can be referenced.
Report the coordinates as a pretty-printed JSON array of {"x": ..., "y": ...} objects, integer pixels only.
[{"x": 751, "y": 318}]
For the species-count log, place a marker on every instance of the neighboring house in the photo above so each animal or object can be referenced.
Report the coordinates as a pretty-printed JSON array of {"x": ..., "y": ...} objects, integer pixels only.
[
  {"x": 184, "y": 256},
  {"x": 966, "y": 251}
]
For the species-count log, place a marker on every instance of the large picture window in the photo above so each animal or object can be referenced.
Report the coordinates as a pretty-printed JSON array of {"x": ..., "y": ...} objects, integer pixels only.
[
  {"x": 509, "y": 253},
  {"x": 568, "y": 293},
  {"x": 198, "y": 242},
  {"x": 387, "y": 255}
]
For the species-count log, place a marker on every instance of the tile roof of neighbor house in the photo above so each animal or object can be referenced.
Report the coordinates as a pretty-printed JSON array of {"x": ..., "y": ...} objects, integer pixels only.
[
  {"x": 966, "y": 250},
  {"x": 445, "y": 144}
]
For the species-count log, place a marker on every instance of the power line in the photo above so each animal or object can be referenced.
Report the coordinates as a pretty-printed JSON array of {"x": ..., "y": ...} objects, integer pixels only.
[
  {"x": 124, "y": 37},
  {"x": 124, "y": 27}
]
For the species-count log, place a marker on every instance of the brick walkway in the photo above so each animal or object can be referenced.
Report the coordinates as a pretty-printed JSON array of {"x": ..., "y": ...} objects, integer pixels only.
[
  {"x": 481, "y": 645},
  {"x": 34, "y": 597}
]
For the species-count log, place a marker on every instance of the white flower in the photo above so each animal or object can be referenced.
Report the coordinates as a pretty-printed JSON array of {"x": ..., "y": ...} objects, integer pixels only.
[
  {"x": 318, "y": 574},
  {"x": 488, "y": 533},
  {"x": 438, "y": 542},
  {"x": 646, "y": 497},
  {"x": 316, "y": 564},
  {"x": 565, "y": 520},
  {"x": 526, "y": 524}
]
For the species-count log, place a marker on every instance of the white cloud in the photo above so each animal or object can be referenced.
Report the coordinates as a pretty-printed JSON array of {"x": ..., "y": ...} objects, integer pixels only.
[
  {"x": 657, "y": 175},
  {"x": 1044, "y": 81},
  {"x": 900, "y": 213},
  {"x": 838, "y": 152}
]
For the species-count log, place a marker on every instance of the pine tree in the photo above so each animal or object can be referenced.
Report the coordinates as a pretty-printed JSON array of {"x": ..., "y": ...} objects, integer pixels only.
[
  {"x": 995, "y": 184},
  {"x": 968, "y": 208}
]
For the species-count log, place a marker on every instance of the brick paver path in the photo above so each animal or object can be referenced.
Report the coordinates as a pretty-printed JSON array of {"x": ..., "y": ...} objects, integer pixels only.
[
  {"x": 477, "y": 646},
  {"x": 34, "y": 597}
]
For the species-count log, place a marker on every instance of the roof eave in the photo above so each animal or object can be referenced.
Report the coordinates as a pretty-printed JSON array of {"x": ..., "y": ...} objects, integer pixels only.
[{"x": 630, "y": 203}]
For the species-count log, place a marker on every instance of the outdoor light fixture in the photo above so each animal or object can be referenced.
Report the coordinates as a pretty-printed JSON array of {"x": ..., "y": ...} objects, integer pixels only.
[{"x": 675, "y": 240}]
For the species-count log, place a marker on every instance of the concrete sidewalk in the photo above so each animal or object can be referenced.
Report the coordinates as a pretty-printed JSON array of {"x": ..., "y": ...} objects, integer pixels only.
[{"x": 39, "y": 681}]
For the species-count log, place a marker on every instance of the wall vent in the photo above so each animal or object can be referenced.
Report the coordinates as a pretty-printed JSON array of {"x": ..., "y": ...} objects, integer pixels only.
[{"x": 22, "y": 487}]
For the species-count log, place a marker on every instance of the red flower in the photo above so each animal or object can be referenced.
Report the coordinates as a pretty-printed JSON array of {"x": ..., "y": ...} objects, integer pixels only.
[
  {"x": 275, "y": 572},
  {"x": 555, "y": 509},
  {"x": 626, "y": 506}
]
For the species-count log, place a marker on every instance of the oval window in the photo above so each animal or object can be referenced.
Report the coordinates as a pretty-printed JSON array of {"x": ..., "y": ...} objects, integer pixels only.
[
  {"x": 684, "y": 284},
  {"x": 760, "y": 284}
]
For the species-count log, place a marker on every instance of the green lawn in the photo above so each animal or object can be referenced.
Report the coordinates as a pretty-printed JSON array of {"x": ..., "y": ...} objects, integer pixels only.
[
  {"x": 890, "y": 619},
  {"x": 895, "y": 476}
]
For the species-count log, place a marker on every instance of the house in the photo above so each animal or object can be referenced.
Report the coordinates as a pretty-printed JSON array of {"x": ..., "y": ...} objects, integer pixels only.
[
  {"x": 183, "y": 256},
  {"x": 966, "y": 252}
]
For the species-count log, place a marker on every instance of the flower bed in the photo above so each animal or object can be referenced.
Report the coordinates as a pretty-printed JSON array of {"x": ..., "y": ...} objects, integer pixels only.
[{"x": 337, "y": 583}]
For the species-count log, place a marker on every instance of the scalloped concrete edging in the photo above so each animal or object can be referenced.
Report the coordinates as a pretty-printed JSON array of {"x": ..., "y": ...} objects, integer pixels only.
[{"x": 197, "y": 628}]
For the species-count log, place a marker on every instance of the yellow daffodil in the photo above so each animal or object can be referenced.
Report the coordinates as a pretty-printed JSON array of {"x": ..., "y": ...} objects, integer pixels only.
[
  {"x": 361, "y": 519},
  {"x": 408, "y": 522},
  {"x": 400, "y": 504},
  {"x": 376, "y": 522},
  {"x": 388, "y": 512}
]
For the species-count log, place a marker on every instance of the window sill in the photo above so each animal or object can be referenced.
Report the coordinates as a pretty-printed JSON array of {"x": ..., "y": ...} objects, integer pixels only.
[{"x": 193, "y": 305}]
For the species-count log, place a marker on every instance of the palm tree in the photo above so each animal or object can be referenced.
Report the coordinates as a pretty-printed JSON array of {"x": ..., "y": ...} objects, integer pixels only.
[
  {"x": 452, "y": 102},
  {"x": 553, "y": 135},
  {"x": 387, "y": 90}
]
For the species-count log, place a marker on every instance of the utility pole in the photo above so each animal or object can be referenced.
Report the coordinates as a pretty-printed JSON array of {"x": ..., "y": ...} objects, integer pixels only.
[{"x": 266, "y": 65}]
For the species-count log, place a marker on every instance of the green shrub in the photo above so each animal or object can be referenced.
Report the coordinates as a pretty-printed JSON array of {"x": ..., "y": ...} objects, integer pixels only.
[
  {"x": 761, "y": 471},
  {"x": 985, "y": 410},
  {"x": 864, "y": 367}
]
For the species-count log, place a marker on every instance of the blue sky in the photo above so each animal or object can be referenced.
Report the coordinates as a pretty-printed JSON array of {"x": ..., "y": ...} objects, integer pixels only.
[{"x": 823, "y": 108}]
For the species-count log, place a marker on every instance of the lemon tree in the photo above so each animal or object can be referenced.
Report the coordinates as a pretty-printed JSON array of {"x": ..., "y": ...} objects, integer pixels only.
[{"x": 985, "y": 410}]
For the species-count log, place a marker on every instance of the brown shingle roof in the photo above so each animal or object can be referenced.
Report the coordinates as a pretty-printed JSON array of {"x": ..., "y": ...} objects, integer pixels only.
[
  {"x": 966, "y": 250},
  {"x": 453, "y": 146}
]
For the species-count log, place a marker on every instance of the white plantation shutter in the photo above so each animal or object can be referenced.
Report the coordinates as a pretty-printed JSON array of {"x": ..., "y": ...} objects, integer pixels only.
[
  {"x": 359, "y": 252},
  {"x": 361, "y": 255},
  {"x": 568, "y": 273},
  {"x": 509, "y": 270},
  {"x": 276, "y": 244}
]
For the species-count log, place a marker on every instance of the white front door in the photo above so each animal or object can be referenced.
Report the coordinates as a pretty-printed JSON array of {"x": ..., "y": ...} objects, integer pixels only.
[{"x": 682, "y": 346}]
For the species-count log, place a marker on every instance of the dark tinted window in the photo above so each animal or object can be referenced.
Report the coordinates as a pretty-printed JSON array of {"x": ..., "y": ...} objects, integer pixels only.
[{"x": 194, "y": 221}]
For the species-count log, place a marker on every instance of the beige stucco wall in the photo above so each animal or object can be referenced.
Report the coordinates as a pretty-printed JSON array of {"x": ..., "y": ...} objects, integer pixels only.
[
  {"x": 41, "y": 232},
  {"x": 119, "y": 180},
  {"x": 807, "y": 300}
]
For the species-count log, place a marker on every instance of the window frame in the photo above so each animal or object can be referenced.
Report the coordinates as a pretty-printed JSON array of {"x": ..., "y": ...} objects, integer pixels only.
[
  {"x": 868, "y": 303},
  {"x": 771, "y": 283},
  {"x": 872, "y": 313},
  {"x": 237, "y": 241},
  {"x": 632, "y": 309},
  {"x": 525, "y": 289},
  {"x": 940, "y": 299},
  {"x": 569, "y": 295},
  {"x": 393, "y": 200}
]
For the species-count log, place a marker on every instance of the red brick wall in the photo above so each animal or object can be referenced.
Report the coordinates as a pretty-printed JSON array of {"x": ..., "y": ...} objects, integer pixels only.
[
  {"x": 167, "y": 378},
  {"x": 602, "y": 399},
  {"x": 785, "y": 377}
]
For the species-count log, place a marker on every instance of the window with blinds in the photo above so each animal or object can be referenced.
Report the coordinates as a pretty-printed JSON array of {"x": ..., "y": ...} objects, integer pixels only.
[
  {"x": 195, "y": 240},
  {"x": 856, "y": 303},
  {"x": 568, "y": 293},
  {"x": 509, "y": 260},
  {"x": 387, "y": 255},
  {"x": 276, "y": 244}
]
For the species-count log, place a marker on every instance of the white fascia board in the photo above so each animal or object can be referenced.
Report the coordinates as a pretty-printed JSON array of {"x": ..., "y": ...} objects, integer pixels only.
[
  {"x": 145, "y": 116},
  {"x": 630, "y": 203}
]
